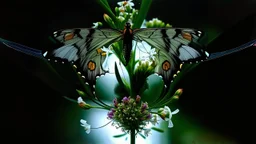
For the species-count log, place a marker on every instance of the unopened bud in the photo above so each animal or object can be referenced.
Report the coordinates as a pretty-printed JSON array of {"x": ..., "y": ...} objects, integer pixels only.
[
  {"x": 138, "y": 98},
  {"x": 178, "y": 92},
  {"x": 81, "y": 93},
  {"x": 117, "y": 11},
  {"x": 168, "y": 25},
  {"x": 84, "y": 105},
  {"x": 108, "y": 20},
  {"x": 175, "y": 97}
]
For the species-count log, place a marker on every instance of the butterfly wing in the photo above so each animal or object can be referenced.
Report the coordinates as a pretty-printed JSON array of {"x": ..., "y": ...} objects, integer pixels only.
[
  {"x": 174, "y": 46},
  {"x": 216, "y": 55},
  {"x": 22, "y": 48},
  {"x": 83, "y": 47}
]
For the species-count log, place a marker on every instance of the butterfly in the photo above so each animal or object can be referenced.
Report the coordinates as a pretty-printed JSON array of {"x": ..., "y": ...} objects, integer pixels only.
[{"x": 83, "y": 46}]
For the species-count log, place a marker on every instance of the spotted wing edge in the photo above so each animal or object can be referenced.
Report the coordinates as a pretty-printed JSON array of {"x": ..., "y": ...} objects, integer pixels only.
[
  {"x": 105, "y": 36},
  {"x": 165, "y": 45}
]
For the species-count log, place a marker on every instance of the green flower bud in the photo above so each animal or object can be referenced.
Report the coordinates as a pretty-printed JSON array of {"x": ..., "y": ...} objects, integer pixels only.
[
  {"x": 84, "y": 105},
  {"x": 81, "y": 93},
  {"x": 160, "y": 110},
  {"x": 168, "y": 25},
  {"x": 149, "y": 25},
  {"x": 178, "y": 92},
  {"x": 100, "y": 24},
  {"x": 108, "y": 20},
  {"x": 162, "y": 24},
  {"x": 117, "y": 11}
]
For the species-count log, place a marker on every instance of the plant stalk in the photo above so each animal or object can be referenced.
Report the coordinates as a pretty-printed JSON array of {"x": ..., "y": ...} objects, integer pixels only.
[{"x": 132, "y": 136}]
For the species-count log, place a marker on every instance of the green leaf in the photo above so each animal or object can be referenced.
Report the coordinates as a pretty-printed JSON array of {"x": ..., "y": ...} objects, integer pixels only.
[
  {"x": 118, "y": 50},
  {"x": 142, "y": 135},
  {"x": 120, "y": 135},
  {"x": 120, "y": 91},
  {"x": 173, "y": 86},
  {"x": 70, "y": 99},
  {"x": 143, "y": 88},
  {"x": 87, "y": 89},
  {"x": 119, "y": 78},
  {"x": 52, "y": 40},
  {"x": 157, "y": 129},
  {"x": 166, "y": 96},
  {"x": 106, "y": 7},
  {"x": 130, "y": 69},
  {"x": 141, "y": 73},
  {"x": 144, "y": 7}
]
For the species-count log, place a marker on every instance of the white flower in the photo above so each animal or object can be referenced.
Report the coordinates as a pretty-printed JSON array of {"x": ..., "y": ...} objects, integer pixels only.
[
  {"x": 123, "y": 7},
  {"x": 168, "y": 111},
  {"x": 154, "y": 119},
  {"x": 126, "y": 3},
  {"x": 95, "y": 25},
  {"x": 80, "y": 100},
  {"x": 148, "y": 53},
  {"x": 152, "y": 54},
  {"x": 107, "y": 50},
  {"x": 147, "y": 132},
  {"x": 122, "y": 11},
  {"x": 105, "y": 64},
  {"x": 86, "y": 126},
  {"x": 121, "y": 18},
  {"x": 83, "y": 104}
]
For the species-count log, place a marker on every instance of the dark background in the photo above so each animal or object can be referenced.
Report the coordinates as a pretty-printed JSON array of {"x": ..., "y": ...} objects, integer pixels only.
[{"x": 219, "y": 93}]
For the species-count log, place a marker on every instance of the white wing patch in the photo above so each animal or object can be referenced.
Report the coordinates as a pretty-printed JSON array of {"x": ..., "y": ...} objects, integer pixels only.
[
  {"x": 187, "y": 53},
  {"x": 68, "y": 52}
]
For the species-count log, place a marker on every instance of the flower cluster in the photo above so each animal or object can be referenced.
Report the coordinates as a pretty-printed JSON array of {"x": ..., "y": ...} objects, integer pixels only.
[
  {"x": 156, "y": 23},
  {"x": 130, "y": 114},
  {"x": 125, "y": 11}
]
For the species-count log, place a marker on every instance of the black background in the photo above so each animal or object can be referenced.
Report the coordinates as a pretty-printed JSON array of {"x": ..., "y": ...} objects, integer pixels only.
[{"x": 219, "y": 93}]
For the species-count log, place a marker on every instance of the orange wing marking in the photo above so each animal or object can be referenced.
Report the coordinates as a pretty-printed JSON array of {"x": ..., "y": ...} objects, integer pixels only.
[
  {"x": 69, "y": 36},
  {"x": 166, "y": 65},
  {"x": 187, "y": 36}
]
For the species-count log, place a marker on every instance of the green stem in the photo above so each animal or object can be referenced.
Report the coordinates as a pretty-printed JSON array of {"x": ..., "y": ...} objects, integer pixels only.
[
  {"x": 100, "y": 107},
  {"x": 131, "y": 86},
  {"x": 132, "y": 135}
]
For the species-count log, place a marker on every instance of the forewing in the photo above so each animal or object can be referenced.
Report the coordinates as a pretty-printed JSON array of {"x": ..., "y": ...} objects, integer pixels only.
[
  {"x": 83, "y": 47},
  {"x": 174, "y": 45}
]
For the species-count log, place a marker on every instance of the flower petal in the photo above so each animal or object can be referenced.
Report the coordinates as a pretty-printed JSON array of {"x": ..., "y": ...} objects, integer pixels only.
[
  {"x": 146, "y": 132},
  {"x": 83, "y": 122},
  {"x": 88, "y": 130},
  {"x": 170, "y": 125},
  {"x": 176, "y": 111},
  {"x": 79, "y": 100},
  {"x": 120, "y": 3},
  {"x": 131, "y": 4}
]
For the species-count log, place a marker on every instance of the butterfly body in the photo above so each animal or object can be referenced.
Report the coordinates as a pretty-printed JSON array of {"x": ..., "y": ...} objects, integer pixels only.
[{"x": 127, "y": 42}]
